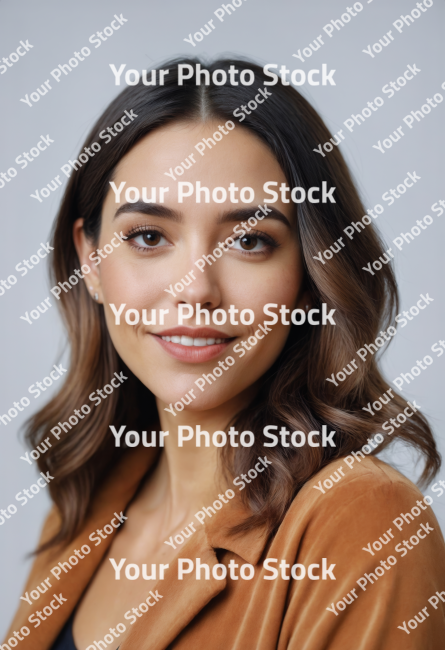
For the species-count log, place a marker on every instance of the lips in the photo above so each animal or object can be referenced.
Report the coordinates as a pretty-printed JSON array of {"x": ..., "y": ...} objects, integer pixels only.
[{"x": 193, "y": 344}]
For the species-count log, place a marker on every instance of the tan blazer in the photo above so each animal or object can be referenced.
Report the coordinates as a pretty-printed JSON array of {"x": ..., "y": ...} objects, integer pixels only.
[{"x": 401, "y": 608}]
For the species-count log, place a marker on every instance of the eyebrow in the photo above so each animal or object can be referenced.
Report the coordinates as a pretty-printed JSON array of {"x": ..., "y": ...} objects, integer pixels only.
[
  {"x": 244, "y": 213},
  {"x": 150, "y": 209},
  {"x": 238, "y": 215}
]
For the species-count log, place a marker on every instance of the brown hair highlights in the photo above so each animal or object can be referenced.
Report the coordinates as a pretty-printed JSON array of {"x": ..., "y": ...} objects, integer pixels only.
[{"x": 294, "y": 392}]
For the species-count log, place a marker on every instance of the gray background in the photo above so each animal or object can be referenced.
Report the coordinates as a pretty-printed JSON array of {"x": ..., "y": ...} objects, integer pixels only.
[{"x": 267, "y": 32}]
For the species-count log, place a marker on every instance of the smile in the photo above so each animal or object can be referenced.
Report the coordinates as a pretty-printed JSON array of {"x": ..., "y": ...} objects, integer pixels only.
[
  {"x": 193, "y": 344},
  {"x": 188, "y": 341}
]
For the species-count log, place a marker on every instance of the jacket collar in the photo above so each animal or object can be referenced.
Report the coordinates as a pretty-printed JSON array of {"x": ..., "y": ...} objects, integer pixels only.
[
  {"x": 180, "y": 602},
  {"x": 113, "y": 496},
  {"x": 248, "y": 545}
]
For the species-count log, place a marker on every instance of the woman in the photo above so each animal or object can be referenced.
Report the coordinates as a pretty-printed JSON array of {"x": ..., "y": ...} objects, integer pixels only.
[{"x": 269, "y": 539}]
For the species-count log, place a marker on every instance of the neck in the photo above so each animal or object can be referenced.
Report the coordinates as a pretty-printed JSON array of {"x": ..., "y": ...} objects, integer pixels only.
[{"x": 190, "y": 477}]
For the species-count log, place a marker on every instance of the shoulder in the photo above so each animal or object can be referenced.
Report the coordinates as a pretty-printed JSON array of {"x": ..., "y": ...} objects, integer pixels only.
[
  {"x": 350, "y": 489},
  {"x": 378, "y": 536},
  {"x": 361, "y": 515},
  {"x": 356, "y": 473}
]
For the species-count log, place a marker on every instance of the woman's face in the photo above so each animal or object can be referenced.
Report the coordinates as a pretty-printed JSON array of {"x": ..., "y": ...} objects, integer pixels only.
[{"x": 165, "y": 240}]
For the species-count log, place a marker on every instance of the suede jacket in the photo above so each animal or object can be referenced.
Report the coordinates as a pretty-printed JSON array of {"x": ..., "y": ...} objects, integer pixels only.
[{"x": 370, "y": 574}]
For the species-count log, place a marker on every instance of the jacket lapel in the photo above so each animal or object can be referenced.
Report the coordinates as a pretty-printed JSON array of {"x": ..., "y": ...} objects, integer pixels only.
[
  {"x": 116, "y": 492},
  {"x": 182, "y": 600}
]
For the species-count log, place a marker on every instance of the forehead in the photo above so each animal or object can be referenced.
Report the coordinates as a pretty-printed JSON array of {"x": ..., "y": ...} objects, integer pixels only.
[{"x": 239, "y": 156}]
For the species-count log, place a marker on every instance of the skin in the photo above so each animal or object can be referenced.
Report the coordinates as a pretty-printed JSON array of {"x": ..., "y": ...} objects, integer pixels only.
[{"x": 185, "y": 478}]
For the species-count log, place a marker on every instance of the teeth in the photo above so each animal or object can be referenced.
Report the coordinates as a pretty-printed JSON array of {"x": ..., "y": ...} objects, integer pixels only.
[{"x": 188, "y": 341}]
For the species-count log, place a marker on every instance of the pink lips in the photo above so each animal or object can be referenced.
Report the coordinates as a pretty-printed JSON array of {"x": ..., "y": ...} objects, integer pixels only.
[{"x": 193, "y": 354}]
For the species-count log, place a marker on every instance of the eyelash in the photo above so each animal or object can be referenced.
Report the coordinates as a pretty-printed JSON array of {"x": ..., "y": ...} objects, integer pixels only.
[
  {"x": 270, "y": 242},
  {"x": 142, "y": 230}
]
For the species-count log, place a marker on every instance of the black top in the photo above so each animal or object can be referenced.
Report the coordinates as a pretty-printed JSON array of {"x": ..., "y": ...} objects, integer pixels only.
[{"x": 65, "y": 640}]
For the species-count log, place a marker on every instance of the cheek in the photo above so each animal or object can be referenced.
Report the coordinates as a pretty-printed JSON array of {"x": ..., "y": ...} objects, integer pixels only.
[
  {"x": 124, "y": 281},
  {"x": 262, "y": 284}
]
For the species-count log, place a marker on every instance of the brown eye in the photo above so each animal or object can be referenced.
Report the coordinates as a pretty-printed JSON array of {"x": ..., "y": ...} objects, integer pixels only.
[
  {"x": 151, "y": 238},
  {"x": 248, "y": 243}
]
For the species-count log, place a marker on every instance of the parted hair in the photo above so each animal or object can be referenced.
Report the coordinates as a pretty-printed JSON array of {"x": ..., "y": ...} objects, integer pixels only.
[{"x": 294, "y": 392}]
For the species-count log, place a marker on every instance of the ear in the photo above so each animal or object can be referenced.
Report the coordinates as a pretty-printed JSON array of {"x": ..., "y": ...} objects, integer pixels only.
[
  {"x": 85, "y": 248},
  {"x": 305, "y": 300}
]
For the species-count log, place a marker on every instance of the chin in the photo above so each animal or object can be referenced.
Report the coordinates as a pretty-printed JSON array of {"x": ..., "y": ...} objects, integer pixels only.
[{"x": 211, "y": 398}]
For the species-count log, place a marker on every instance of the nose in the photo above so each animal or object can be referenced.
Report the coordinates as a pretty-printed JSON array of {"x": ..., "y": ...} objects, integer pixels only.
[{"x": 201, "y": 287}]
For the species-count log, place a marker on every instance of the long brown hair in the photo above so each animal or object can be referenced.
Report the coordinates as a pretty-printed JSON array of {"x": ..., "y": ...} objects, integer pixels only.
[{"x": 294, "y": 392}]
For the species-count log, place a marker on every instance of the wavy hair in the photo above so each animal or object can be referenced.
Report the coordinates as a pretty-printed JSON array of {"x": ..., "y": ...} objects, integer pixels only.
[{"x": 294, "y": 393}]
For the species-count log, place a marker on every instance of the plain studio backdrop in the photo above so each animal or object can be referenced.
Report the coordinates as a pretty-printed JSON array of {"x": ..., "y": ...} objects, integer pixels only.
[{"x": 266, "y": 32}]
